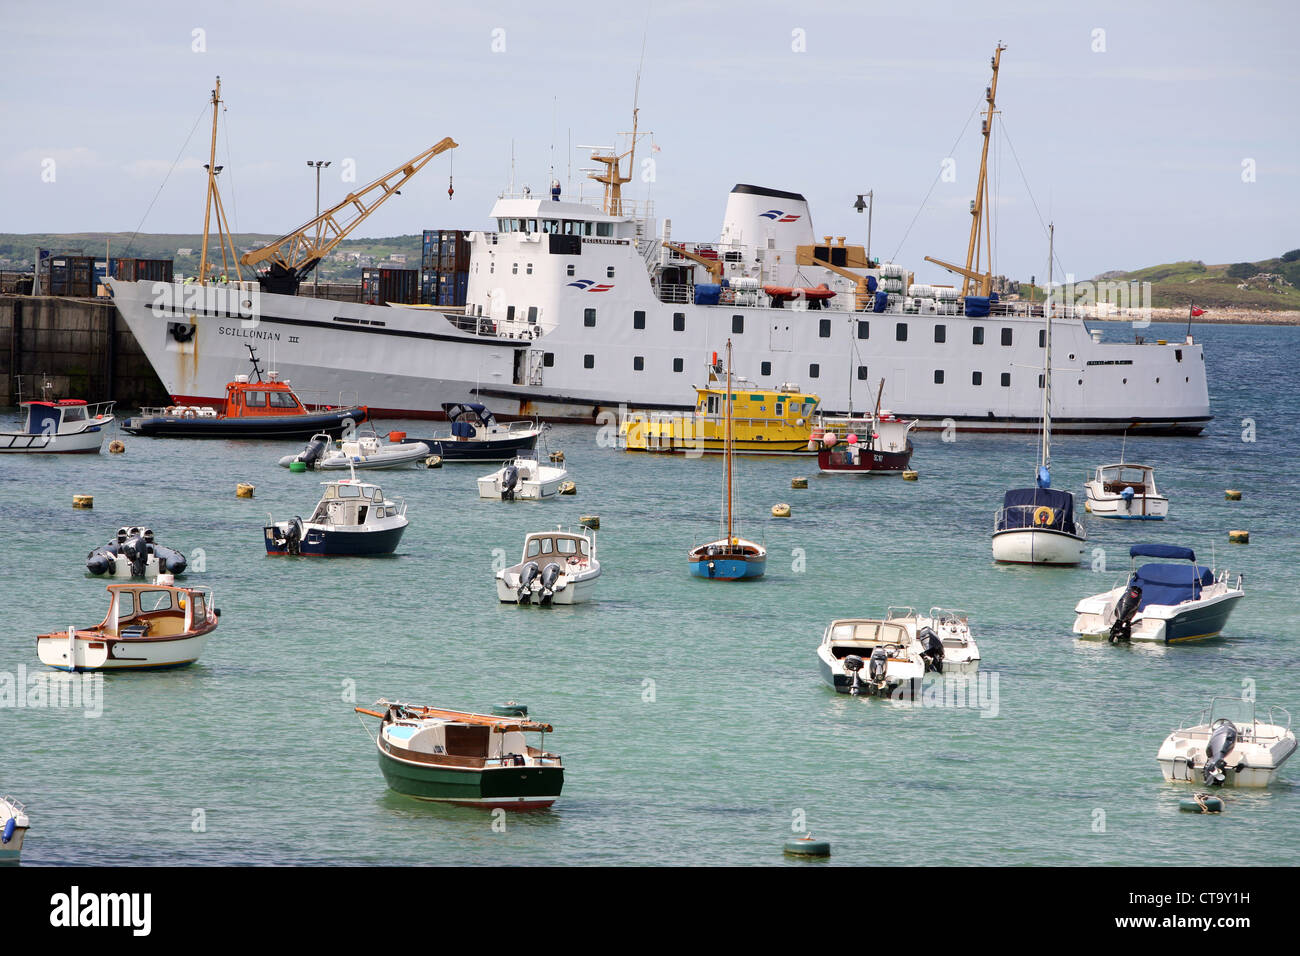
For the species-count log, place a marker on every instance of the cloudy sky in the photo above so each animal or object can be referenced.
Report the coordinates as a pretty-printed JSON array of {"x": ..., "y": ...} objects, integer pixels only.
[{"x": 1147, "y": 132}]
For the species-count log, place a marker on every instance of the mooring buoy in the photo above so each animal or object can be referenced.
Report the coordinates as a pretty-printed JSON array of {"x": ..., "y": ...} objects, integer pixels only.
[
  {"x": 244, "y": 490},
  {"x": 511, "y": 708},
  {"x": 433, "y": 461},
  {"x": 590, "y": 521},
  {"x": 297, "y": 467},
  {"x": 798, "y": 482},
  {"x": 807, "y": 846},
  {"x": 909, "y": 476},
  {"x": 1239, "y": 537},
  {"x": 568, "y": 488},
  {"x": 780, "y": 510},
  {"x": 116, "y": 447},
  {"x": 1201, "y": 803},
  {"x": 1232, "y": 494},
  {"x": 83, "y": 501}
]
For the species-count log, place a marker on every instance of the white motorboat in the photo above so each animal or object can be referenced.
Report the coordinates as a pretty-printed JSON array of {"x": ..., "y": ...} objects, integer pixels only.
[
  {"x": 352, "y": 519},
  {"x": 68, "y": 426},
  {"x": 1037, "y": 525},
  {"x": 1126, "y": 491},
  {"x": 1162, "y": 603},
  {"x": 524, "y": 479},
  {"x": 557, "y": 567},
  {"x": 147, "y": 626},
  {"x": 366, "y": 451},
  {"x": 476, "y": 435},
  {"x": 943, "y": 638},
  {"x": 868, "y": 656},
  {"x": 1226, "y": 745},
  {"x": 13, "y": 828}
]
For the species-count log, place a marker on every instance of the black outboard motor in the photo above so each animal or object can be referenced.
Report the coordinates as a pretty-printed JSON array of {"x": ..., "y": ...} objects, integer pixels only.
[
  {"x": 854, "y": 664},
  {"x": 550, "y": 574},
  {"x": 293, "y": 536},
  {"x": 1121, "y": 632},
  {"x": 931, "y": 650},
  {"x": 879, "y": 663},
  {"x": 312, "y": 453},
  {"x": 509, "y": 479},
  {"x": 137, "y": 552},
  {"x": 527, "y": 575},
  {"x": 1223, "y": 737}
]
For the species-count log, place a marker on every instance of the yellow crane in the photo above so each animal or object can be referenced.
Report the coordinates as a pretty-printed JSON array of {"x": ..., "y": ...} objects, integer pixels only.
[
  {"x": 714, "y": 266},
  {"x": 292, "y": 256},
  {"x": 851, "y": 257}
]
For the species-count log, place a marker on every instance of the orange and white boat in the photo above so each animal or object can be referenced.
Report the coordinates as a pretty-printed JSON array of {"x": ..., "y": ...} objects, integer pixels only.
[{"x": 147, "y": 626}]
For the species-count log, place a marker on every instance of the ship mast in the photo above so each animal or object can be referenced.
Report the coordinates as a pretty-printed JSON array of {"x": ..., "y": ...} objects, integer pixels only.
[
  {"x": 213, "y": 199},
  {"x": 727, "y": 444},
  {"x": 1045, "y": 458}
]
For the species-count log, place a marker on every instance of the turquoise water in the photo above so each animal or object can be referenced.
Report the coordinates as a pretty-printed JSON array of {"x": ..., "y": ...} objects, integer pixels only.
[{"x": 694, "y": 726}]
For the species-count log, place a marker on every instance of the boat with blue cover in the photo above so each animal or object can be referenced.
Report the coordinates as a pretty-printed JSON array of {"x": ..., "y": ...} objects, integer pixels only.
[
  {"x": 476, "y": 435},
  {"x": 1161, "y": 603},
  {"x": 352, "y": 519}
]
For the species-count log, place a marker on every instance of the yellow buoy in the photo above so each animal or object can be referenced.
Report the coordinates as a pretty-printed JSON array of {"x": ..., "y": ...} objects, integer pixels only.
[
  {"x": 568, "y": 488},
  {"x": 433, "y": 461},
  {"x": 244, "y": 490},
  {"x": 557, "y": 456},
  {"x": 1087, "y": 506},
  {"x": 1232, "y": 494},
  {"x": 798, "y": 482},
  {"x": 590, "y": 521},
  {"x": 780, "y": 510},
  {"x": 115, "y": 447},
  {"x": 909, "y": 476},
  {"x": 83, "y": 501},
  {"x": 1239, "y": 537}
]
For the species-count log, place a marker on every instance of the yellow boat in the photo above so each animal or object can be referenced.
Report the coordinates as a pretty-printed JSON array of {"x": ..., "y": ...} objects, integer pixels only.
[{"x": 764, "y": 422}]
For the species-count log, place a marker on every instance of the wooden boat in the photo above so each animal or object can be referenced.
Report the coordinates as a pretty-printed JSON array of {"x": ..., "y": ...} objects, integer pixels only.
[
  {"x": 13, "y": 828},
  {"x": 557, "y": 567},
  {"x": 875, "y": 444},
  {"x": 352, "y": 519},
  {"x": 476, "y": 435},
  {"x": 764, "y": 421},
  {"x": 252, "y": 409},
  {"x": 147, "y": 626},
  {"x": 67, "y": 426},
  {"x": 731, "y": 558},
  {"x": 477, "y": 760}
]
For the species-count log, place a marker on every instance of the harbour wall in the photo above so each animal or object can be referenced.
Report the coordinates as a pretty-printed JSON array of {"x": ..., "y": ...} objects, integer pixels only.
[{"x": 81, "y": 347}]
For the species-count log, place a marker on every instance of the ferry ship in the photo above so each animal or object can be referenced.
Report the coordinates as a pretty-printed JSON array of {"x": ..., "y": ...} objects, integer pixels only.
[{"x": 574, "y": 309}]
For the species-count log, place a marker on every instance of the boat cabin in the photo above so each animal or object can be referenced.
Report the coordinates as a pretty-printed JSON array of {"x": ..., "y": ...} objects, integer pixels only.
[
  {"x": 49, "y": 418},
  {"x": 1043, "y": 509},
  {"x": 467, "y": 418},
  {"x": 245, "y": 399},
  {"x": 862, "y": 636},
  {"x": 756, "y": 406},
  {"x": 464, "y": 744},
  {"x": 351, "y": 503},
  {"x": 562, "y": 546},
  {"x": 155, "y": 610},
  {"x": 1113, "y": 479}
]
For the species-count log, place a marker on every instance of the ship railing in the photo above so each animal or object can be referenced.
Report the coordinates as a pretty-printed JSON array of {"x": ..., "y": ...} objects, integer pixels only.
[
  {"x": 1021, "y": 518},
  {"x": 676, "y": 293},
  {"x": 1246, "y": 720}
]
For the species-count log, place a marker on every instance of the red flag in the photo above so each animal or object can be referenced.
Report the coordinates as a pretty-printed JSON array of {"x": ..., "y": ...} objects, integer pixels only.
[{"x": 1196, "y": 312}]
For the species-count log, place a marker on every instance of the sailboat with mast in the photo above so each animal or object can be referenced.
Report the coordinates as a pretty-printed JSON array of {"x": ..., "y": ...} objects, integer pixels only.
[
  {"x": 1037, "y": 525},
  {"x": 731, "y": 558}
]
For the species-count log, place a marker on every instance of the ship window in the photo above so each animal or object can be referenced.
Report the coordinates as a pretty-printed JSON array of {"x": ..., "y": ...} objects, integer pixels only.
[
  {"x": 814, "y": 370},
  {"x": 862, "y": 373},
  {"x": 548, "y": 359},
  {"x": 977, "y": 335},
  {"x": 609, "y": 273},
  {"x": 529, "y": 269},
  {"x": 780, "y": 409},
  {"x": 514, "y": 268},
  {"x": 510, "y": 313},
  {"x": 589, "y": 361},
  {"x": 532, "y": 315},
  {"x": 1042, "y": 338},
  {"x": 492, "y": 268},
  {"x": 550, "y": 225},
  {"x": 1040, "y": 381},
  {"x": 255, "y": 399},
  {"x": 864, "y": 329},
  {"x": 679, "y": 365},
  {"x": 824, "y": 328},
  {"x": 679, "y": 321},
  {"x": 570, "y": 269},
  {"x": 938, "y": 376},
  {"x": 737, "y": 323},
  {"x": 589, "y": 318},
  {"x": 282, "y": 400},
  {"x": 977, "y": 378},
  {"x": 900, "y": 331},
  {"x": 534, "y": 546},
  {"x": 638, "y": 363},
  {"x": 638, "y": 320},
  {"x": 604, "y": 229},
  {"x": 1006, "y": 336},
  {"x": 765, "y": 368},
  {"x": 941, "y": 333},
  {"x": 713, "y": 405},
  {"x": 1006, "y": 379},
  {"x": 530, "y": 225}
]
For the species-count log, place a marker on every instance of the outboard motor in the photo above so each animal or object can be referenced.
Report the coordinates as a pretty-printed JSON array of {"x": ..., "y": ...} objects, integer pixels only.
[
  {"x": 293, "y": 536},
  {"x": 122, "y": 535},
  {"x": 1223, "y": 737},
  {"x": 931, "y": 650},
  {"x": 509, "y": 479},
  {"x": 1122, "y": 630},
  {"x": 136, "y": 552},
  {"x": 550, "y": 575},
  {"x": 854, "y": 664},
  {"x": 878, "y": 664},
  {"x": 527, "y": 575},
  {"x": 312, "y": 453}
]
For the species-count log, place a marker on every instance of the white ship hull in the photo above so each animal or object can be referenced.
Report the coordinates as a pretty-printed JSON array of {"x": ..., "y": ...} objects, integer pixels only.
[{"x": 1033, "y": 546}]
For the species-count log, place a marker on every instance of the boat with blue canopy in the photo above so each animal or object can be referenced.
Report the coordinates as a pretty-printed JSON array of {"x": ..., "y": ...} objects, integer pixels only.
[
  {"x": 476, "y": 435},
  {"x": 1161, "y": 602}
]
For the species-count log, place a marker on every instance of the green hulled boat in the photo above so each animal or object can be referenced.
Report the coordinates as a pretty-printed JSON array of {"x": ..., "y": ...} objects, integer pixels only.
[{"x": 464, "y": 758}]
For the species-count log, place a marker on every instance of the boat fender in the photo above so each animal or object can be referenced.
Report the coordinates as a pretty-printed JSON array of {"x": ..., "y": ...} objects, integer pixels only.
[
  {"x": 1121, "y": 632},
  {"x": 1127, "y": 495},
  {"x": 10, "y": 826},
  {"x": 1223, "y": 737},
  {"x": 1044, "y": 515},
  {"x": 1201, "y": 803}
]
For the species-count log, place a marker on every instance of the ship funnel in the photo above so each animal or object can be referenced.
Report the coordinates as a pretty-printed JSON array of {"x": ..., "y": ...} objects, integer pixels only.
[{"x": 755, "y": 214}]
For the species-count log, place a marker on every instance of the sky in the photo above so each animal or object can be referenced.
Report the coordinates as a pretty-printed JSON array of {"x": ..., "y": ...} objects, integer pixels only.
[{"x": 1147, "y": 133}]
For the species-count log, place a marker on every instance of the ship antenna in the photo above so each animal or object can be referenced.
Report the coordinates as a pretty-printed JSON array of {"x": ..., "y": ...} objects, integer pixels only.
[{"x": 252, "y": 357}]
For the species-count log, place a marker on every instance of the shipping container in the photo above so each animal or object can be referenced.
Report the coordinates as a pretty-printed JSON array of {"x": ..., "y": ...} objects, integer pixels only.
[
  {"x": 142, "y": 270},
  {"x": 72, "y": 276},
  {"x": 452, "y": 288},
  {"x": 380, "y": 286},
  {"x": 428, "y": 288}
]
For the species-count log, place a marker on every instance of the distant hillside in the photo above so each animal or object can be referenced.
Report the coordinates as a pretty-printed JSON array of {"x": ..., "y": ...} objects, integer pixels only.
[
  {"x": 18, "y": 250},
  {"x": 1271, "y": 284}
]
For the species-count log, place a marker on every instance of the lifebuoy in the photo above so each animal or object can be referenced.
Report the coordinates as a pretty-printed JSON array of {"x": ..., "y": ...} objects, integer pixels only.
[
  {"x": 190, "y": 412},
  {"x": 1044, "y": 515}
]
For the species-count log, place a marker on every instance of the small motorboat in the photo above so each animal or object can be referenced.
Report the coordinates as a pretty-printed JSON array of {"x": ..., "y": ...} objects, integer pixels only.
[
  {"x": 1225, "y": 745},
  {"x": 147, "y": 626},
  {"x": 864, "y": 656},
  {"x": 68, "y": 426},
  {"x": 367, "y": 451},
  {"x": 133, "y": 553},
  {"x": 875, "y": 444},
  {"x": 523, "y": 479},
  {"x": 13, "y": 828},
  {"x": 476, "y": 760},
  {"x": 1125, "y": 491},
  {"x": 352, "y": 519},
  {"x": 943, "y": 638},
  {"x": 1162, "y": 603},
  {"x": 252, "y": 409},
  {"x": 477, "y": 436},
  {"x": 557, "y": 567}
]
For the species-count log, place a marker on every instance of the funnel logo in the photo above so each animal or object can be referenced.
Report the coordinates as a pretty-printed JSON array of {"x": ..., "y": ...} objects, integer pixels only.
[
  {"x": 590, "y": 285},
  {"x": 776, "y": 215}
]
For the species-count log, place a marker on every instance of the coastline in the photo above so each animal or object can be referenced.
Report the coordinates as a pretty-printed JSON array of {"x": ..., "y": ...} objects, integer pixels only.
[{"x": 1217, "y": 317}]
